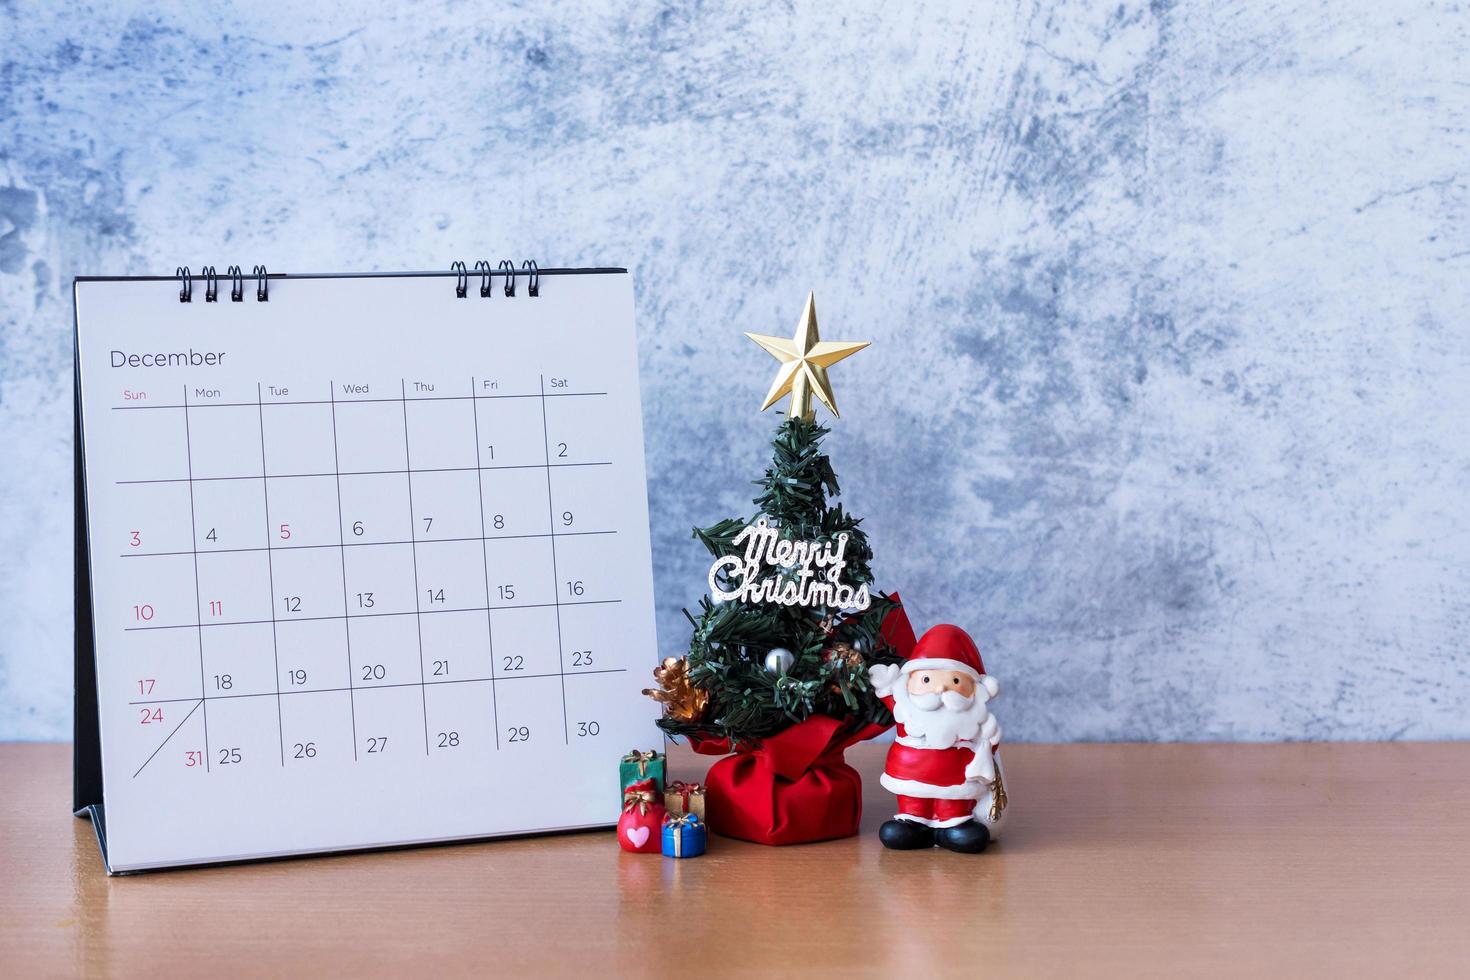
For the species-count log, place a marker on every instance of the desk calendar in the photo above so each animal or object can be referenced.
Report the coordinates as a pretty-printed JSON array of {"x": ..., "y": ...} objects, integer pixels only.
[{"x": 363, "y": 561}]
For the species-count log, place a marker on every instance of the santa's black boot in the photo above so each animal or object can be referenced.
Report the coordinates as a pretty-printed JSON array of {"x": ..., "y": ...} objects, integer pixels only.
[
  {"x": 969, "y": 837},
  {"x": 905, "y": 835}
]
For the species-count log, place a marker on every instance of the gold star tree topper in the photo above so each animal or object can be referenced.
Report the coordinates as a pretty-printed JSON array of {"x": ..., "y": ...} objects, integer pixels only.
[{"x": 805, "y": 359}]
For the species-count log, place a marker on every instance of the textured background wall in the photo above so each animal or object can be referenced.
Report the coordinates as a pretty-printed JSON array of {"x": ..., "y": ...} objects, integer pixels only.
[{"x": 1169, "y": 394}]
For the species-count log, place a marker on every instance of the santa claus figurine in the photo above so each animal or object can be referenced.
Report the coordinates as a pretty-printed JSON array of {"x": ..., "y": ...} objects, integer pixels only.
[{"x": 945, "y": 764}]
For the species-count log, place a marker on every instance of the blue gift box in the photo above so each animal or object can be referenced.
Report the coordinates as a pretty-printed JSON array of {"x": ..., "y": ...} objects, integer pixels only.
[{"x": 684, "y": 836}]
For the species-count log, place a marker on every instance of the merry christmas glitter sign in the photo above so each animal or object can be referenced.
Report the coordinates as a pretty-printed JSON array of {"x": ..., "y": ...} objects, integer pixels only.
[{"x": 810, "y": 573}]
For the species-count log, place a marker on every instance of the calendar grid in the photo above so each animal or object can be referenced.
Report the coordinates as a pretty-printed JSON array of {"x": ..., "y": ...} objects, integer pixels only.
[
  {"x": 342, "y": 554},
  {"x": 198, "y": 613},
  {"x": 271, "y": 547},
  {"x": 485, "y": 567},
  {"x": 413, "y": 533},
  {"x": 265, "y": 485}
]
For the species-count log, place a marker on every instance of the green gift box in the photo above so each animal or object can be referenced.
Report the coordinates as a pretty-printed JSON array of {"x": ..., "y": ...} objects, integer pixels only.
[{"x": 637, "y": 766}]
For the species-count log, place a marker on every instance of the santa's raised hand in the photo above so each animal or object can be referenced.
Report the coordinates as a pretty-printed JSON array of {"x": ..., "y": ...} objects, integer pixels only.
[{"x": 883, "y": 677}]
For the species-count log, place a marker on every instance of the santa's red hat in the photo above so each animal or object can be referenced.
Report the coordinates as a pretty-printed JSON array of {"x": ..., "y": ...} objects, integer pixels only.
[{"x": 946, "y": 648}]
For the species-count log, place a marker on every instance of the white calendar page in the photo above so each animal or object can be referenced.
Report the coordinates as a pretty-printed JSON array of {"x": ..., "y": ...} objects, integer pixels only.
[{"x": 369, "y": 562}]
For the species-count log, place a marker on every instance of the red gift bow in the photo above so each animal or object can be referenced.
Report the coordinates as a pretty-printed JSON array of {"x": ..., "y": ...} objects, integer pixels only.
[
  {"x": 685, "y": 790},
  {"x": 795, "y": 787}
]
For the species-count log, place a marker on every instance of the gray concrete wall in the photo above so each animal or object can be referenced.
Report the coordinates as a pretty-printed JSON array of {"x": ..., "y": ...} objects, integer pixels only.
[{"x": 1167, "y": 401}]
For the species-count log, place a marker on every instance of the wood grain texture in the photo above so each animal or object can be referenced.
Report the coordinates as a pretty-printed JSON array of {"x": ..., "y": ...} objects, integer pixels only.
[{"x": 1163, "y": 860}]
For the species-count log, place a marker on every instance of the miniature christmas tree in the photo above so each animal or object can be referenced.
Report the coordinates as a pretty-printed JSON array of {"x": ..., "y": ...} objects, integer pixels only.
[{"x": 778, "y": 660}]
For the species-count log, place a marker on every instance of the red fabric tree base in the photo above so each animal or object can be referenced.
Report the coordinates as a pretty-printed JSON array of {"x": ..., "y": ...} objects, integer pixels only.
[{"x": 795, "y": 787}]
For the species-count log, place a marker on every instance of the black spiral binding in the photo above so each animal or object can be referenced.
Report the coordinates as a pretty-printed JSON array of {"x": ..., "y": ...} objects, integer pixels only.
[
  {"x": 211, "y": 284},
  {"x": 487, "y": 273}
]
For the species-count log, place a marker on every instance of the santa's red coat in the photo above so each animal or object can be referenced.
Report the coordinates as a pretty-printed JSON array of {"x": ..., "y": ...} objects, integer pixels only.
[{"x": 936, "y": 774}]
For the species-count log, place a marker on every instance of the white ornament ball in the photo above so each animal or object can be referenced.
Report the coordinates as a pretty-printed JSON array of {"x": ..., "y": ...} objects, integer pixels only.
[{"x": 779, "y": 660}]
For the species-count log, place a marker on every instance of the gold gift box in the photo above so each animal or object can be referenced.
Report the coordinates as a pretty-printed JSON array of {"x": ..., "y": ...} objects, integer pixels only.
[{"x": 677, "y": 792}]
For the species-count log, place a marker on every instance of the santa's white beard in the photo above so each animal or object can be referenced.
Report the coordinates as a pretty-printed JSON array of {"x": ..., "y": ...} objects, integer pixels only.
[{"x": 940, "y": 721}]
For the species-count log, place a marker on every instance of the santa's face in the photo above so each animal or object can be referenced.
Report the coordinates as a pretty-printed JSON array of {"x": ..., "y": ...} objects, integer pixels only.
[
  {"x": 939, "y": 681},
  {"x": 940, "y": 708}
]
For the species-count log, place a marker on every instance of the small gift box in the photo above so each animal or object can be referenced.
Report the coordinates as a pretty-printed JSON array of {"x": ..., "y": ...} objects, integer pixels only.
[
  {"x": 681, "y": 798},
  {"x": 684, "y": 836},
  {"x": 643, "y": 814},
  {"x": 637, "y": 766}
]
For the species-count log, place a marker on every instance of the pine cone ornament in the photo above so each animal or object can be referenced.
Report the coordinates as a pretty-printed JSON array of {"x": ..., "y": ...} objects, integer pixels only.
[
  {"x": 845, "y": 652},
  {"x": 841, "y": 655},
  {"x": 681, "y": 699}
]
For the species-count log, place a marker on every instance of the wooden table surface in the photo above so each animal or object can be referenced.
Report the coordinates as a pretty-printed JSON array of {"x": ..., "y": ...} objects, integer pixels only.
[{"x": 1166, "y": 860}]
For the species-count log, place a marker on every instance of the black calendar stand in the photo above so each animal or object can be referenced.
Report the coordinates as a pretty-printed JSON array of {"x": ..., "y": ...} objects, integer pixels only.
[{"x": 86, "y": 791}]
